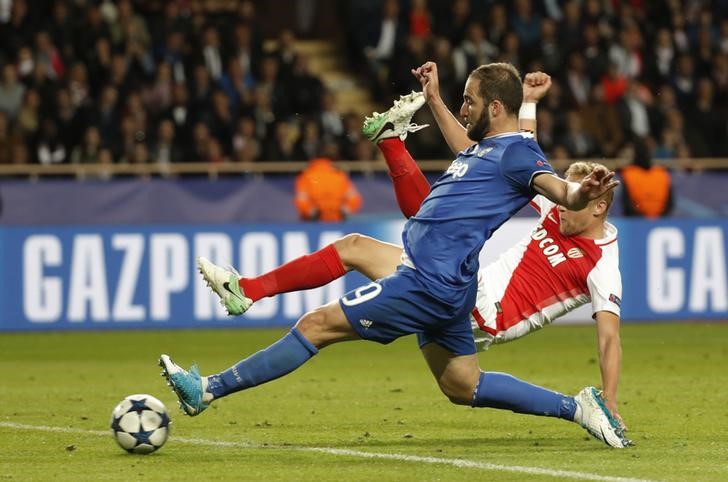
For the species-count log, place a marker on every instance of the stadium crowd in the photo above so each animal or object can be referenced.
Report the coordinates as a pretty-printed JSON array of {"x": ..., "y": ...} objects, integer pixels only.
[
  {"x": 622, "y": 70},
  {"x": 86, "y": 81}
]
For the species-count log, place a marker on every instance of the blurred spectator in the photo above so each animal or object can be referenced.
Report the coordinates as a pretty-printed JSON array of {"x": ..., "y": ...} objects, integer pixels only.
[
  {"x": 307, "y": 88},
  {"x": 281, "y": 146},
  {"x": 243, "y": 138},
  {"x": 309, "y": 143},
  {"x": 383, "y": 35},
  {"x": 420, "y": 20},
  {"x": 8, "y": 140},
  {"x": 90, "y": 150},
  {"x": 601, "y": 120},
  {"x": 706, "y": 127},
  {"x": 329, "y": 118},
  {"x": 577, "y": 80},
  {"x": 647, "y": 189},
  {"x": 211, "y": 54},
  {"x": 577, "y": 141},
  {"x": 525, "y": 24},
  {"x": 473, "y": 51},
  {"x": 165, "y": 149},
  {"x": 634, "y": 110},
  {"x": 325, "y": 193},
  {"x": 11, "y": 92},
  {"x": 50, "y": 149},
  {"x": 454, "y": 24}
]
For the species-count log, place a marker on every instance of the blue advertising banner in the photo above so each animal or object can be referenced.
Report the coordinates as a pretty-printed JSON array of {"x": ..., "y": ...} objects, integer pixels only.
[
  {"x": 110, "y": 277},
  {"x": 674, "y": 269}
]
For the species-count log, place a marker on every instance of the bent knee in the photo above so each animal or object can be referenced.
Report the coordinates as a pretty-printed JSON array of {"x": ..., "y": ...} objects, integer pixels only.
[
  {"x": 459, "y": 394},
  {"x": 325, "y": 325},
  {"x": 313, "y": 325},
  {"x": 347, "y": 247}
]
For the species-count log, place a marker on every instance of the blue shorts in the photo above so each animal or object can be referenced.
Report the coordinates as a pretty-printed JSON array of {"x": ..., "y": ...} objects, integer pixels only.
[{"x": 399, "y": 305}]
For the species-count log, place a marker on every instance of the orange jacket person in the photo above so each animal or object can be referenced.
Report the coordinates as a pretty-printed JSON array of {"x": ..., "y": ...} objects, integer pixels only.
[
  {"x": 325, "y": 193},
  {"x": 647, "y": 188}
]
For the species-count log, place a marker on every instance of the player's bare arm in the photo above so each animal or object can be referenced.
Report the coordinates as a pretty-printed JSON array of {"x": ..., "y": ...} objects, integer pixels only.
[
  {"x": 535, "y": 86},
  {"x": 575, "y": 195},
  {"x": 453, "y": 131},
  {"x": 610, "y": 357}
]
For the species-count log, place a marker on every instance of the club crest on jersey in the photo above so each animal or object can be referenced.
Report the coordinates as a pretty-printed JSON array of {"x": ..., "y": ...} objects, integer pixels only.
[
  {"x": 484, "y": 151},
  {"x": 457, "y": 169},
  {"x": 366, "y": 323},
  {"x": 574, "y": 253}
]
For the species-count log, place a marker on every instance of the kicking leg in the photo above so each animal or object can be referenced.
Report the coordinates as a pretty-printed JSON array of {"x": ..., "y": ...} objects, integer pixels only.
[
  {"x": 373, "y": 258},
  {"x": 316, "y": 329}
]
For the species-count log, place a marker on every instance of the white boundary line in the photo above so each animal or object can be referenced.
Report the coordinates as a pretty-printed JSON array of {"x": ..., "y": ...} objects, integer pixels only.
[{"x": 460, "y": 463}]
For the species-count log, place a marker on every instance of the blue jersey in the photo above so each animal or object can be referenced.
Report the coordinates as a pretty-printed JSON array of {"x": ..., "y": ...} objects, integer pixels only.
[{"x": 483, "y": 187}]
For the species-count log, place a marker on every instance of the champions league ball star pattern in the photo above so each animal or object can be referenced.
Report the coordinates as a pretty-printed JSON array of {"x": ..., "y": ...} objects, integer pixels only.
[{"x": 140, "y": 424}]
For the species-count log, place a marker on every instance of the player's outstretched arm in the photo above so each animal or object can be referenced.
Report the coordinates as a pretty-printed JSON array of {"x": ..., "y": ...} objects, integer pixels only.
[
  {"x": 576, "y": 195},
  {"x": 453, "y": 131},
  {"x": 610, "y": 357},
  {"x": 535, "y": 86}
]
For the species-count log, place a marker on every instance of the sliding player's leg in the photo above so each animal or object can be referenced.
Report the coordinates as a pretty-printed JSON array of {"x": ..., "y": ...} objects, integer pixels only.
[
  {"x": 460, "y": 379},
  {"x": 354, "y": 252},
  {"x": 315, "y": 330}
]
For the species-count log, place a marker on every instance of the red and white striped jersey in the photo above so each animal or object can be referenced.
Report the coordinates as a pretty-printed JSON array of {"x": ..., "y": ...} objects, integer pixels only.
[{"x": 544, "y": 276}]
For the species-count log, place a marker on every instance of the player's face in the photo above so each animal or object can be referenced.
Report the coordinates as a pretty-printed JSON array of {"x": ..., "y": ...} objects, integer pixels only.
[
  {"x": 573, "y": 223},
  {"x": 474, "y": 111}
]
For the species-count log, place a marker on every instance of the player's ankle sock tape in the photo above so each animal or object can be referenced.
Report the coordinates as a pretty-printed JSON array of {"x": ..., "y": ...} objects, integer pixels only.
[
  {"x": 280, "y": 358},
  {"x": 500, "y": 390}
]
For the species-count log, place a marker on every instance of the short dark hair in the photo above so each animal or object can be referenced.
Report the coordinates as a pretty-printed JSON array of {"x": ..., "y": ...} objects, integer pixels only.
[{"x": 500, "y": 81}]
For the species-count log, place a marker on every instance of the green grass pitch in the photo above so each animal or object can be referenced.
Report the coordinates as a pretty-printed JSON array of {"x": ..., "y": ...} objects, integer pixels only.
[{"x": 361, "y": 411}]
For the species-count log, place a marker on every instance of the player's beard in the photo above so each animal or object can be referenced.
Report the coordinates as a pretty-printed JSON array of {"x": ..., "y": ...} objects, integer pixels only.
[{"x": 479, "y": 128}]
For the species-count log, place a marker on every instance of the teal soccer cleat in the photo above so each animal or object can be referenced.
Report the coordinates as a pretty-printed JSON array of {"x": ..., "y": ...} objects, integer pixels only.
[
  {"x": 187, "y": 385},
  {"x": 595, "y": 417}
]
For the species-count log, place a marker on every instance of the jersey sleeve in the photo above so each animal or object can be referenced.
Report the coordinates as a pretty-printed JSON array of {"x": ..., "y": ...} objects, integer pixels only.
[
  {"x": 521, "y": 162},
  {"x": 605, "y": 286}
]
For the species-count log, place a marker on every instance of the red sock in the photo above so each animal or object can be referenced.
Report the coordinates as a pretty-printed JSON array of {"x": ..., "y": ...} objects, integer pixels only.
[
  {"x": 410, "y": 185},
  {"x": 309, "y": 271}
]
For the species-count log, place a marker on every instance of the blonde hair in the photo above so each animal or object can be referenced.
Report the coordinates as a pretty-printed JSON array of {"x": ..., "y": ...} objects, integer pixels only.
[{"x": 580, "y": 169}]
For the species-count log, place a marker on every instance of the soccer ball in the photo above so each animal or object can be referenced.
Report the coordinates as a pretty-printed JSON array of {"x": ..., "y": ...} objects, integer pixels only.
[{"x": 140, "y": 424}]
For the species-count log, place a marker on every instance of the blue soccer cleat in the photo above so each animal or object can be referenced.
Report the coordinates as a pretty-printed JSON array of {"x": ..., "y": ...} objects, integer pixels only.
[
  {"x": 187, "y": 385},
  {"x": 595, "y": 417}
]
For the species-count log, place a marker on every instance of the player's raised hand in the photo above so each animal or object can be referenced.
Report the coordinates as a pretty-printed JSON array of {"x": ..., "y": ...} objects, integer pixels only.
[
  {"x": 598, "y": 182},
  {"x": 427, "y": 76},
  {"x": 535, "y": 86}
]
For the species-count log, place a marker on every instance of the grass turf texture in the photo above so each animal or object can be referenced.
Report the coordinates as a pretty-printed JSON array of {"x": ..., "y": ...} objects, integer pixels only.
[{"x": 363, "y": 397}]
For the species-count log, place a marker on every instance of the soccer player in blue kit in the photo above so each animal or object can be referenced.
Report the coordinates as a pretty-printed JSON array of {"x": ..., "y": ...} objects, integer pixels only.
[{"x": 433, "y": 290}]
